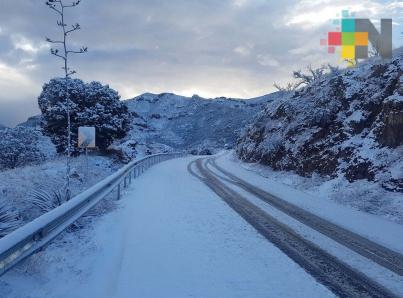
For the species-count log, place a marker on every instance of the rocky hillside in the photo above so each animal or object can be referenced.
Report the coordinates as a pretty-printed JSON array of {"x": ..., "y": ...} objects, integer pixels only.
[
  {"x": 346, "y": 124},
  {"x": 170, "y": 122},
  {"x": 34, "y": 122}
]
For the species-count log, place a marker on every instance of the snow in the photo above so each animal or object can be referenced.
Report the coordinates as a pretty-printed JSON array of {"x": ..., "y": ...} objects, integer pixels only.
[
  {"x": 356, "y": 116},
  {"x": 345, "y": 125},
  {"x": 175, "y": 240},
  {"x": 166, "y": 121},
  {"x": 390, "y": 280},
  {"x": 17, "y": 185},
  {"x": 367, "y": 225}
]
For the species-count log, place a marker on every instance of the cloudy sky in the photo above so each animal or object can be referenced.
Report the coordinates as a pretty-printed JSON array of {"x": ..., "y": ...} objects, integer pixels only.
[{"x": 233, "y": 48}]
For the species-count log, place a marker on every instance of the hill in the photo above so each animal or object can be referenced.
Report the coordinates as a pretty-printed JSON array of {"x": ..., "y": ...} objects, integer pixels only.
[
  {"x": 170, "y": 122},
  {"x": 346, "y": 127}
]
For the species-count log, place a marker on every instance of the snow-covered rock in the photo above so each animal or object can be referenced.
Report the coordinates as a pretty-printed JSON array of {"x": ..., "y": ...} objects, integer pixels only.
[
  {"x": 34, "y": 121},
  {"x": 167, "y": 122},
  {"x": 346, "y": 125}
]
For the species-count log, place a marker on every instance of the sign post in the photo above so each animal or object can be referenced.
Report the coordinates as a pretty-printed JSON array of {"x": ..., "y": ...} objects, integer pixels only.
[{"x": 86, "y": 139}]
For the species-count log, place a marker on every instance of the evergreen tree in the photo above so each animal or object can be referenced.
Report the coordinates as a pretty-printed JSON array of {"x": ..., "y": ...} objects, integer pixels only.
[{"x": 91, "y": 104}]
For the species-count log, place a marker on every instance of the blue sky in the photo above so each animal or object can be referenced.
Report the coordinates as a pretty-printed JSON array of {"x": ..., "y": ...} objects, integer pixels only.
[{"x": 234, "y": 48}]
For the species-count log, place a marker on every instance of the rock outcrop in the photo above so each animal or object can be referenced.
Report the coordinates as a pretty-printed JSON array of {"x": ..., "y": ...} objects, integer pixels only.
[{"x": 349, "y": 123}]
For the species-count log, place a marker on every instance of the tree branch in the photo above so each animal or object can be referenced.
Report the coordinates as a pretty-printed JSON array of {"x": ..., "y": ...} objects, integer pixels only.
[
  {"x": 53, "y": 41},
  {"x": 55, "y": 9},
  {"x": 56, "y": 53},
  {"x": 81, "y": 51},
  {"x": 72, "y": 4},
  {"x": 61, "y": 24},
  {"x": 74, "y": 28}
]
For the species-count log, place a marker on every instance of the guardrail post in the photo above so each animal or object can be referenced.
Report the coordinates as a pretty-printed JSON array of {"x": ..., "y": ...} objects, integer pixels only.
[
  {"x": 125, "y": 182},
  {"x": 130, "y": 177},
  {"x": 119, "y": 191}
]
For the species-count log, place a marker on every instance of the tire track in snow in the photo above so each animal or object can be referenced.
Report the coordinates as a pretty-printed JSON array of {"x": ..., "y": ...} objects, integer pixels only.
[
  {"x": 340, "y": 278},
  {"x": 379, "y": 254}
]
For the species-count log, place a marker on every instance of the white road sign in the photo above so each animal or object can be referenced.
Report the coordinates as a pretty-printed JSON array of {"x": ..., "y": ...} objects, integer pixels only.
[{"x": 86, "y": 137}]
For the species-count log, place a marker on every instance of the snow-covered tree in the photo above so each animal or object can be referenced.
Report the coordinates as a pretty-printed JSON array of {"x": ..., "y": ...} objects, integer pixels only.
[
  {"x": 62, "y": 50},
  {"x": 19, "y": 146},
  {"x": 308, "y": 77},
  {"x": 91, "y": 104}
]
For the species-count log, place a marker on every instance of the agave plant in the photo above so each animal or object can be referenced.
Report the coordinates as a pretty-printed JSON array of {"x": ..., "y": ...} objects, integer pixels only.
[
  {"x": 47, "y": 201},
  {"x": 9, "y": 219}
]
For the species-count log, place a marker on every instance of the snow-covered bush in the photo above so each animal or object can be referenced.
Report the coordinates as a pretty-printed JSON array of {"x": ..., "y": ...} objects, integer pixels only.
[
  {"x": 91, "y": 104},
  {"x": 46, "y": 201},
  {"x": 308, "y": 77},
  {"x": 20, "y": 146},
  {"x": 9, "y": 219}
]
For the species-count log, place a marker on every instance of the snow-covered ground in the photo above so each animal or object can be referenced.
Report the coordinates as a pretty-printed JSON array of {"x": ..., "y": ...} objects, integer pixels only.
[
  {"x": 361, "y": 195},
  {"x": 374, "y": 227},
  {"x": 171, "y": 237},
  {"x": 168, "y": 122},
  {"x": 17, "y": 185}
]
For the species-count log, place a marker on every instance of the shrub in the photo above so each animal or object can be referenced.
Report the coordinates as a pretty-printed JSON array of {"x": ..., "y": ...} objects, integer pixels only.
[
  {"x": 20, "y": 146},
  {"x": 91, "y": 104}
]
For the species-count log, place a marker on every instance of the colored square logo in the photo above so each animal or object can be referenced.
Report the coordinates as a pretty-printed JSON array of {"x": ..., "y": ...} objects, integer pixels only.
[
  {"x": 361, "y": 38},
  {"x": 353, "y": 35},
  {"x": 348, "y": 25},
  {"x": 348, "y": 52},
  {"x": 334, "y": 38},
  {"x": 361, "y": 52},
  {"x": 348, "y": 38}
]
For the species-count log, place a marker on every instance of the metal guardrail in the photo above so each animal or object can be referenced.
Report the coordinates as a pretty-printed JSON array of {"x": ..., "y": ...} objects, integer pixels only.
[{"x": 33, "y": 236}]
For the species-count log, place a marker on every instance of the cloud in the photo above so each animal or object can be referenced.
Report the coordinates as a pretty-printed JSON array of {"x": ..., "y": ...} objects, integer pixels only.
[
  {"x": 316, "y": 13},
  {"x": 267, "y": 60},
  {"x": 244, "y": 50},
  {"x": 18, "y": 96},
  {"x": 213, "y": 48},
  {"x": 22, "y": 43}
]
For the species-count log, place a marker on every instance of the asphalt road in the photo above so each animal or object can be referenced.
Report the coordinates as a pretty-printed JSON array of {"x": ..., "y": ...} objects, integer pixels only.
[
  {"x": 363, "y": 246},
  {"x": 339, "y": 277}
]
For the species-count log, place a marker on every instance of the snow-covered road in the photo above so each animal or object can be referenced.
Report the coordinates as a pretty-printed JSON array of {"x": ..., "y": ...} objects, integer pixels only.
[
  {"x": 172, "y": 236},
  {"x": 181, "y": 240}
]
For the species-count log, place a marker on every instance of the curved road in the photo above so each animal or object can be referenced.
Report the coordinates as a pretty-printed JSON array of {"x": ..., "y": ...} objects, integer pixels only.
[
  {"x": 339, "y": 277},
  {"x": 361, "y": 245}
]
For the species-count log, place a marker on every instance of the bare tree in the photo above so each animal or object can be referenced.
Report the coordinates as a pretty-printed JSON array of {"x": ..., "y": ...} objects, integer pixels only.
[
  {"x": 303, "y": 79},
  {"x": 62, "y": 51},
  {"x": 313, "y": 74},
  {"x": 288, "y": 88}
]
